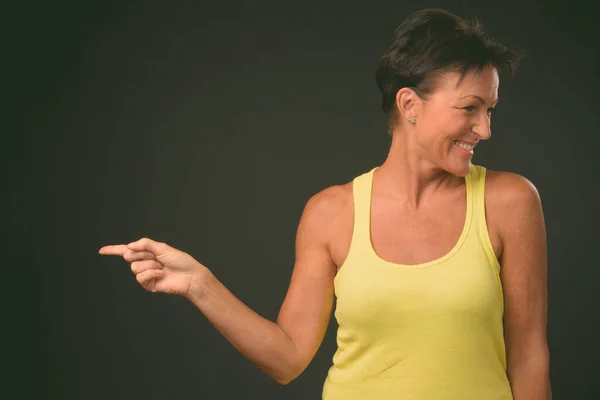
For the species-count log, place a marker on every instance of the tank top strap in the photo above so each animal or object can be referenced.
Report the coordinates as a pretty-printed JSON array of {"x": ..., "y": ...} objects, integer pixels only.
[
  {"x": 478, "y": 174},
  {"x": 477, "y": 182},
  {"x": 362, "y": 188}
]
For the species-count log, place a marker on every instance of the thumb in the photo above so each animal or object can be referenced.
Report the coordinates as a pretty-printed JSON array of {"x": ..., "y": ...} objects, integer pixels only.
[{"x": 146, "y": 244}]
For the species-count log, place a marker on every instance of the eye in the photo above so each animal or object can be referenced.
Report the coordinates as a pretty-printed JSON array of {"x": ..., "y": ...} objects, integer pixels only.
[{"x": 471, "y": 109}]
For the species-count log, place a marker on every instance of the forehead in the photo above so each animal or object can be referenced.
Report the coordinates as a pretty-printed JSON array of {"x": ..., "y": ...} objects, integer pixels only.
[{"x": 482, "y": 83}]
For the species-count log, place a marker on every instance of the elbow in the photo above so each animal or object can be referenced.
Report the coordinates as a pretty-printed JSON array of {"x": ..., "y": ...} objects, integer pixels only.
[
  {"x": 285, "y": 377},
  {"x": 533, "y": 365},
  {"x": 289, "y": 364},
  {"x": 539, "y": 358},
  {"x": 283, "y": 382}
]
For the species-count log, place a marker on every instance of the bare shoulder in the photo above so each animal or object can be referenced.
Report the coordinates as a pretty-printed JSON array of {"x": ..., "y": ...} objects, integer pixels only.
[
  {"x": 512, "y": 204},
  {"x": 326, "y": 206},
  {"x": 323, "y": 218},
  {"x": 508, "y": 189}
]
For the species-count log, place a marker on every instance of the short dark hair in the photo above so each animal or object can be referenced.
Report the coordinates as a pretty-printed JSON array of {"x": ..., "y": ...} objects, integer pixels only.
[{"x": 432, "y": 41}]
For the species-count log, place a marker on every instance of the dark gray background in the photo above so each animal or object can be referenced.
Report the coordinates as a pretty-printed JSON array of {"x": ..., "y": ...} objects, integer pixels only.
[{"x": 209, "y": 127}]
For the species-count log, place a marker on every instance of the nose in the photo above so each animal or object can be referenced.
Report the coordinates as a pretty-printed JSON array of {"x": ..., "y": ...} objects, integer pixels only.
[{"x": 482, "y": 127}]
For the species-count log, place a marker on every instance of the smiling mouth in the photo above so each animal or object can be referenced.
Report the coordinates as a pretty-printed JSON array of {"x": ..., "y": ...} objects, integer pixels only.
[{"x": 464, "y": 146}]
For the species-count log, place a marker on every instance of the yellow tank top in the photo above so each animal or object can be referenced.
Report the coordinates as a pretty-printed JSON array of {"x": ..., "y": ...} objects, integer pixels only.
[{"x": 420, "y": 332}]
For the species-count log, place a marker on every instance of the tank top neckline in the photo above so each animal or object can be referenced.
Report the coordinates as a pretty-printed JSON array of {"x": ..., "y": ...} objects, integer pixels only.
[{"x": 439, "y": 260}]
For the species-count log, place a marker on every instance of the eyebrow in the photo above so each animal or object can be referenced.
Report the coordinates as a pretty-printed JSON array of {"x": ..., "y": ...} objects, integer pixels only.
[{"x": 478, "y": 98}]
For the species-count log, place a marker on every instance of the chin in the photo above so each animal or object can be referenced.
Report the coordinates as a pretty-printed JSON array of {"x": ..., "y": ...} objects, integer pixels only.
[{"x": 460, "y": 170}]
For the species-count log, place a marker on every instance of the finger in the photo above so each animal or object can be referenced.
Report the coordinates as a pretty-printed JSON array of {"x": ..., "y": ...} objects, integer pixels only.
[
  {"x": 131, "y": 255},
  {"x": 148, "y": 245},
  {"x": 147, "y": 279},
  {"x": 114, "y": 250},
  {"x": 140, "y": 266}
]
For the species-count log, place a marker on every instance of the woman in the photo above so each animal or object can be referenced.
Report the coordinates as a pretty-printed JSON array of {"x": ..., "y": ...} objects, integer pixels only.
[{"x": 438, "y": 265}]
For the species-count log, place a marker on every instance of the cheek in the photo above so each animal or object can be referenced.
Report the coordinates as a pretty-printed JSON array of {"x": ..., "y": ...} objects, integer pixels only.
[
  {"x": 444, "y": 129},
  {"x": 455, "y": 126},
  {"x": 443, "y": 116},
  {"x": 437, "y": 135}
]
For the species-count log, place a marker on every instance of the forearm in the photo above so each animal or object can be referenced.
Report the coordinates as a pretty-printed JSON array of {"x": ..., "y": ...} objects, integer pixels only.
[
  {"x": 261, "y": 341},
  {"x": 531, "y": 380}
]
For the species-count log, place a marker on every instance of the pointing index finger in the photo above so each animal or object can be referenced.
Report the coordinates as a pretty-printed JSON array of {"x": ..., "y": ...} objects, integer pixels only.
[{"x": 114, "y": 250}]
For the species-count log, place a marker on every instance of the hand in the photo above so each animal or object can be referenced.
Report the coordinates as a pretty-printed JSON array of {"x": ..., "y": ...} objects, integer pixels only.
[{"x": 158, "y": 267}]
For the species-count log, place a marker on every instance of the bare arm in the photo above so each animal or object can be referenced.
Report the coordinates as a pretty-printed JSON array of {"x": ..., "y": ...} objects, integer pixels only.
[
  {"x": 524, "y": 280},
  {"x": 283, "y": 349}
]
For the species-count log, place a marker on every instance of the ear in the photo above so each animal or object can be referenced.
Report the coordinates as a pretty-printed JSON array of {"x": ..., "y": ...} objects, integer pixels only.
[{"x": 408, "y": 103}]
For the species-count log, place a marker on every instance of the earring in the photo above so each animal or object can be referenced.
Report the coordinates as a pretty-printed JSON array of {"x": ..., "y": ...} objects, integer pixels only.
[{"x": 412, "y": 120}]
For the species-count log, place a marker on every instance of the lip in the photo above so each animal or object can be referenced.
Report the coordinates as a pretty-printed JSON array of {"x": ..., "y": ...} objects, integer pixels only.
[
  {"x": 466, "y": 141},
  {"x": 465, "y": 152}
]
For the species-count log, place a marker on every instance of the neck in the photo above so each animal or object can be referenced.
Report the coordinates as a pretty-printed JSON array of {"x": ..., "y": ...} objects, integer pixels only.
[{"x": 410, "y": 178}]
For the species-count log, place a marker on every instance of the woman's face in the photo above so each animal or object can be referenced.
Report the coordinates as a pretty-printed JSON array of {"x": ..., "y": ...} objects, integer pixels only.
[{"x": 455, "y": 117}]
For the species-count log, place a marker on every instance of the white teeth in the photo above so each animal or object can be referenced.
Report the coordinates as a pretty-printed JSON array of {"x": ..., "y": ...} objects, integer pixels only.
[{"x": 463, "y": 145}]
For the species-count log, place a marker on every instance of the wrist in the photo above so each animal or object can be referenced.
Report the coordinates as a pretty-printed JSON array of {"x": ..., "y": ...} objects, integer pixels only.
[{"x": 199, "y": 282}]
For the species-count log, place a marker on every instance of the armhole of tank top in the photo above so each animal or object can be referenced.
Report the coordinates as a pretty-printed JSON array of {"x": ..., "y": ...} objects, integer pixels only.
[{"x": 485, "y": 233}]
